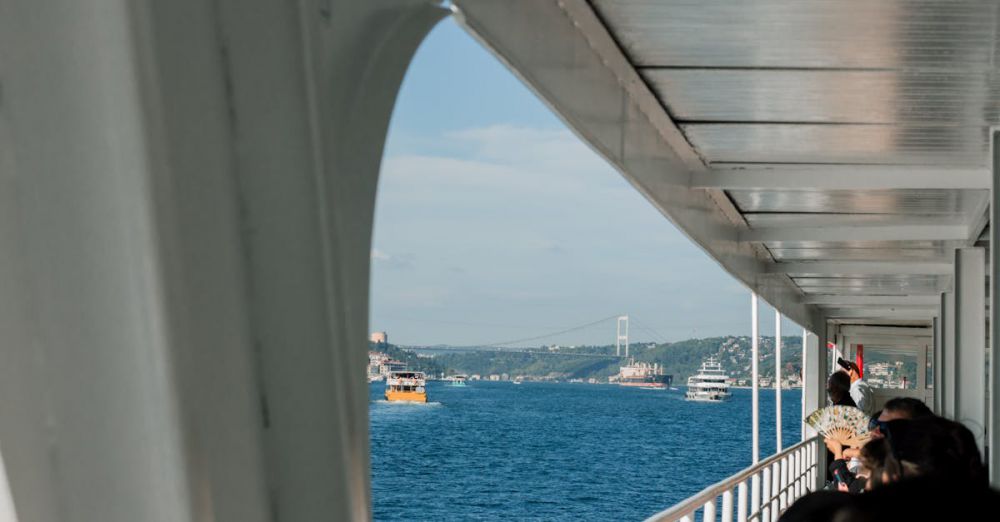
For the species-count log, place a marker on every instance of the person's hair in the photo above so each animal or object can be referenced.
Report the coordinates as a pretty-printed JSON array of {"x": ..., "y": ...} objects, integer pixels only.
[
  {"x": 911, "y": 408},
  {"x": 839, "y": 386},
  {"x": 925, "y": 447}
]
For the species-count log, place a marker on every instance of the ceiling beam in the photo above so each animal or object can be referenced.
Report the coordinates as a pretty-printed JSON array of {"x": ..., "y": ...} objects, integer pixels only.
[
  {"x": 861, "y": 268},
  {"x": 858, "y": 233},
  {"x": 861, "y": 300},
  {"x": 839, "y": 177},
  {"x": 891, "y": 331},
  {"x": 881, "y": 313}
]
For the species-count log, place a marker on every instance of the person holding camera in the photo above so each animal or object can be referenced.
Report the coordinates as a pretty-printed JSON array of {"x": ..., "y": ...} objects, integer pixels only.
[{"x": 860, "y": 391}]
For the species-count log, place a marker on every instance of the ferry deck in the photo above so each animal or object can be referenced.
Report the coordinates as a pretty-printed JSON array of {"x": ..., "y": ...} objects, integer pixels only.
[{"x": 188, "y": 190}]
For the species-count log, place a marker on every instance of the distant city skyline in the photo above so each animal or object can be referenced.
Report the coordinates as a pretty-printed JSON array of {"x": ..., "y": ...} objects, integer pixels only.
[{"x": 494, "y": 222}]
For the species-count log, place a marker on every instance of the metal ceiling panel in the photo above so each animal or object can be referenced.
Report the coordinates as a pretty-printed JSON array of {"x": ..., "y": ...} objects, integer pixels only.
[
  {"x": 859, "y": 254},
  {"x": 939, "y": 202},
  {"x": 848, "y": 143},
  {"x": 805, "y": 33},
  {"x": 869, "y": 281},
  {"x": 827, "y": 96},
  {"x": 768, "y": 219}
]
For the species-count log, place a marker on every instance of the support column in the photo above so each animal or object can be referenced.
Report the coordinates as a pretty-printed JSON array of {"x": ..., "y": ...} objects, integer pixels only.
[
  {"x": 755, "y": 377},
  {"x": 949, "y": 373},
  {"x": 937, "y": 361},
  {"x": 970, "y": 340},
  {"x": 994, "y": 371},
  {"x": 185, "y": 227},
  {"x": 777, "y": 380},
  {"x": 806, "y": 381},
  {"x": 815, "y": 393}
]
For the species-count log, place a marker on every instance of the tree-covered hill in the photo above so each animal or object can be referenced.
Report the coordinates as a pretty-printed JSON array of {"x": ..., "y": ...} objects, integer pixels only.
[{"x": 680, "y": 359}]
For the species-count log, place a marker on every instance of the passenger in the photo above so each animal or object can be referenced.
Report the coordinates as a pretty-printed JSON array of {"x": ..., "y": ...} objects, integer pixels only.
[
  {"x": 924, "y": 447},
  {"x": 839, "y": 388},
  {"x": 844, "y": 473},
  {"x": 920, "y": 470},
  {"x": 860, "y": 391}
]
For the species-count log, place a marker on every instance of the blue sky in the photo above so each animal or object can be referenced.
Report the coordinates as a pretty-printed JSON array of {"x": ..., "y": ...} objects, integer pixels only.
[{"x": 495, "y": 222}]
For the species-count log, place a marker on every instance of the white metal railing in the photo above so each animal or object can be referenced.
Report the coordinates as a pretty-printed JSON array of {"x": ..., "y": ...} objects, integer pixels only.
[{"x": 775, "y": 483}]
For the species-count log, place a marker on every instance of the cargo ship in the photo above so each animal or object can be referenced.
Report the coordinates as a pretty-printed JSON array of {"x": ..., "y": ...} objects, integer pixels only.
[
  {"x": 406, "y": 386},
  {"x": 643, "y": 375}
]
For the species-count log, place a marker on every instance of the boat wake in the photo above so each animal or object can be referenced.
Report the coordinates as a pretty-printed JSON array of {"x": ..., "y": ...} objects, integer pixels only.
[{"x": 383, "y": 402}]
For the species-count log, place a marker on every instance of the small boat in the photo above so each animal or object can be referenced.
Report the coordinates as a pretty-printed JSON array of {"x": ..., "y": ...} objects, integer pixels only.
[
  {"x": 458, "y": 381},
  {"x": 406, "y": 386},
  {"x": 518, "y": 381},
  {"x": 710, "y": 384}
]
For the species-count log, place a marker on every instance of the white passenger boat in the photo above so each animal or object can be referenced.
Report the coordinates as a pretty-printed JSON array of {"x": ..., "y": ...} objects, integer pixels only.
[{"x": 709, "y": 385}]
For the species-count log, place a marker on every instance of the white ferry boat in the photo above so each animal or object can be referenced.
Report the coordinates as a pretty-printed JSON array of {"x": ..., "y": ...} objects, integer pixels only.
[
  {"x": 406, "y": 387},
  {"x": 709, "y": 384}
]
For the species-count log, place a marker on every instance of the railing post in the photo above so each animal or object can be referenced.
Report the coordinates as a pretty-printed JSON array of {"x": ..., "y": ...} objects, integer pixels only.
[
  {"x": 785, "y": 490},
  {"x": 775, "y": 490},
  {"x": 741, "y": 502},
  {"x": 765, "y": 500},
  {"x": 817, "y": 475},
  {"x": 755, "y": 496},
  {"x": 799, "y": 479},
  {"x": 709, "y": 511},
  {"x": 727, "y": 506}
]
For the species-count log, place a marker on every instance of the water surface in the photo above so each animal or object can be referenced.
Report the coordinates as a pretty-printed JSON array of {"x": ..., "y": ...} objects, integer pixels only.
[{"x": 543, "y": 451}]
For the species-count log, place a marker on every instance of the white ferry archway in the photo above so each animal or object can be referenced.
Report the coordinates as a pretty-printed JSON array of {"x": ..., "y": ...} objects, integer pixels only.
[{"x": 184, "y": 315}]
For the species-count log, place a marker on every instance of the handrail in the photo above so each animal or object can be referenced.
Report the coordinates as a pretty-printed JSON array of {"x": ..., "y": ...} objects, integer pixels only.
[{"x": 803, "y": 456}]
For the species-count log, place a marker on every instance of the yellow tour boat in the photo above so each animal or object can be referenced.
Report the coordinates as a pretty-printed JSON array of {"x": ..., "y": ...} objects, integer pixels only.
[{"x": 406, "y": 386}]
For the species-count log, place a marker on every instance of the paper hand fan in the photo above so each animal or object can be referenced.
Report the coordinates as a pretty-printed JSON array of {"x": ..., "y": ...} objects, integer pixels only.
[{"x": 844, "y": 424}]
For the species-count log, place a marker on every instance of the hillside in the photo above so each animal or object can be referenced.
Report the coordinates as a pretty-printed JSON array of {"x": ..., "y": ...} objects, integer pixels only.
[{"x": 680, "y": 359}]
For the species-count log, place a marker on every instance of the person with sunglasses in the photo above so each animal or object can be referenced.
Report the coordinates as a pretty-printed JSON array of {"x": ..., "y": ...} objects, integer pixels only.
[{"x": 845, "y": 461}]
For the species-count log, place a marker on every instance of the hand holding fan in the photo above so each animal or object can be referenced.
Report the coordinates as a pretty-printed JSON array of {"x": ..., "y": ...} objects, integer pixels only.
[{"x": 845, "y": 424}]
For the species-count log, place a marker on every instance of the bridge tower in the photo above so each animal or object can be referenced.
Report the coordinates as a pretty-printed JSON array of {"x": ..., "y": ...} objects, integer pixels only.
[{"x": 622, "y": 336}]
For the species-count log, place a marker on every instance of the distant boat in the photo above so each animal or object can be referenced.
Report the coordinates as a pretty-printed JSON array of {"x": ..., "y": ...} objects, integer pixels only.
[
  {"x": 406, "y": 386},
  {"x": 643, "y": 375},
  {"x": 458, "y": 381},
  {"x": 710, "y": 384}
]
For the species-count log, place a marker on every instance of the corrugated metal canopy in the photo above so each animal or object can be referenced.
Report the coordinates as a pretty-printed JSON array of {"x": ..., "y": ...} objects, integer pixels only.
[
  {"x": 855, "y": 83},
  {"x": 813, "y": 148}
]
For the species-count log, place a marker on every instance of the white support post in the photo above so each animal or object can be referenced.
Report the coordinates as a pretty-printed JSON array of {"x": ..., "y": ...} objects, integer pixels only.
[
  {"x": 814, "y": 394},
  {"x": 777, "y": 380},
  {"x": 741, "y": 502},
  {"x": 970, "y": 340},
  {"x": 937, "y": 361},
  {"x": 708, "y": 513},
  {"x": 775, "y": 490},
  {"x": 185, "y": 251},
  {"x": 755, "y": 377},
  {"x": 949, "y": 371},
  {"x": 727, "y": 505},
  {"x": 767, "y": 483},
  {"x": 805, "y": 382},
  {"x": 993, "y": 427},
  {"x": 755, "y": 496}
]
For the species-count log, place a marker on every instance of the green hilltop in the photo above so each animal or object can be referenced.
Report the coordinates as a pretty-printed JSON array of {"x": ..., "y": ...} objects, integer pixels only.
[{"x": 680, "y": 359}]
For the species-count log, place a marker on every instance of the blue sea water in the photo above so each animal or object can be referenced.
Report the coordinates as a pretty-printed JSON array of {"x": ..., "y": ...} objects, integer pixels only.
[{"x": 545, "y": 451}]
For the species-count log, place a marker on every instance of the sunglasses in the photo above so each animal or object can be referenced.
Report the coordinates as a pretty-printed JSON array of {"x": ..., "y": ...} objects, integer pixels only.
[{"x": 881, "y": 426}]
